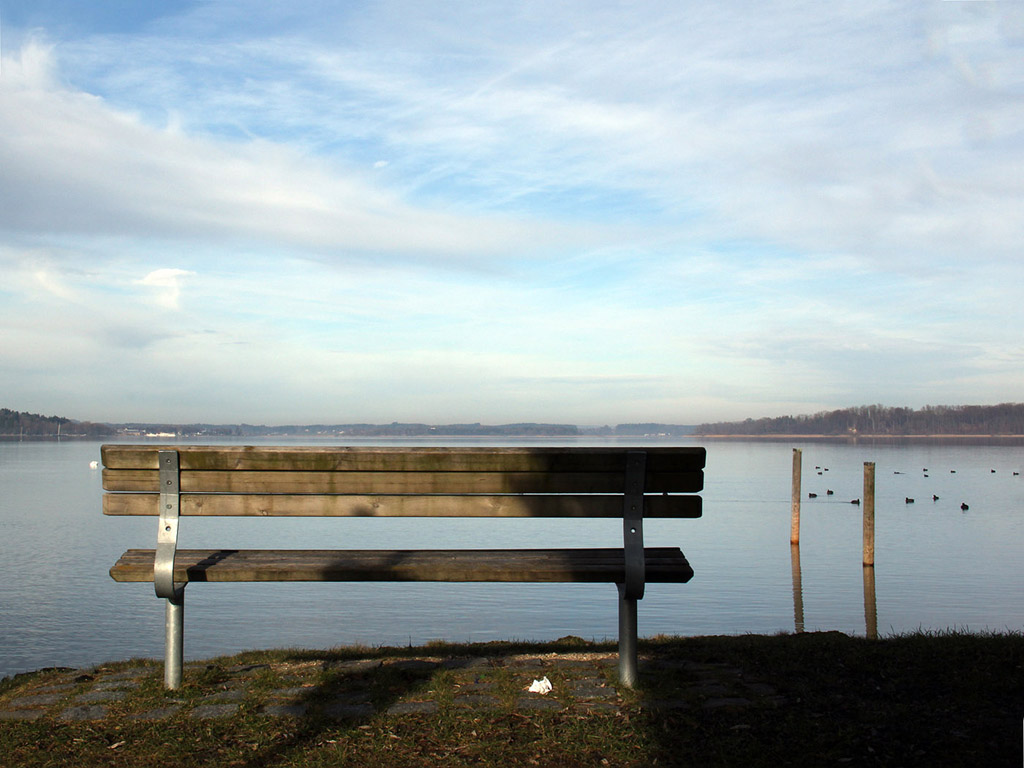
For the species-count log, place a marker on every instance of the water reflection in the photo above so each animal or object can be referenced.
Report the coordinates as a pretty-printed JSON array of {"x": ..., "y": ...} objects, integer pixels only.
[
  {"x": 870, "y": 606},
  {"x": 798, "y": 589},
  {"x": 870, "y": 602}
]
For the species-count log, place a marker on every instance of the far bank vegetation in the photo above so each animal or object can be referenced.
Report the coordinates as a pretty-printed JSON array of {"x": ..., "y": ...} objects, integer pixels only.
[
  {"x": 966, "y": 420},
  {"x": 21, "y": 424}
]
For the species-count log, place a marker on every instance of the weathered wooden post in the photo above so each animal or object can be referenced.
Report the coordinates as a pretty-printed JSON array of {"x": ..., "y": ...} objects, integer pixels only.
[
  {"x": 794, "y": 528},
  {"x": 869, "y": 513}
]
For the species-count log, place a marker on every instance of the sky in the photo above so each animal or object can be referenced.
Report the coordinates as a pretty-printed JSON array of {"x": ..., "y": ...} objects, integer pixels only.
[{"x": 579, "y": 212}]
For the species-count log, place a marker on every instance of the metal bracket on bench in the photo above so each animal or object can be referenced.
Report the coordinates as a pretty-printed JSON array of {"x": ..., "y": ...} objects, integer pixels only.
[
  {"x": 633, "y": 525},
  {"x": 167, "y": 533},
  {"x": 163, "y": 568}
]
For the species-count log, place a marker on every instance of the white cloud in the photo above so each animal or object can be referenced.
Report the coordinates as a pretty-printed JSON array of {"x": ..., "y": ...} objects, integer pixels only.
[
  {"x": 53, "y": 284},
  {"x": 168, "y": 282},
  {"x": 75, "y": 166}
]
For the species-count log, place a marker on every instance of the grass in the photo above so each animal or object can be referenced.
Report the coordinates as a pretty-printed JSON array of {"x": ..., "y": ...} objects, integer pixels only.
[{"x": 923, "y": 699}]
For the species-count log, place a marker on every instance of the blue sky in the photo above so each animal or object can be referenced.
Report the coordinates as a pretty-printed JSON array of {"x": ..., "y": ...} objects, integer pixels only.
[{"x": 584, "y": 212}]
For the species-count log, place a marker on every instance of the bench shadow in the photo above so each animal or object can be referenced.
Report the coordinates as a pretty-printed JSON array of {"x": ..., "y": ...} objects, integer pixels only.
[
  {"x": 313, "y": 698},
  {"x": 692, "y": 700},
  {"x": 347, "y": 691}
]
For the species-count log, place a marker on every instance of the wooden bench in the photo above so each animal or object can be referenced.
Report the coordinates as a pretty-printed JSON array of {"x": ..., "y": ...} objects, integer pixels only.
[{"x": 193, "y": 480}]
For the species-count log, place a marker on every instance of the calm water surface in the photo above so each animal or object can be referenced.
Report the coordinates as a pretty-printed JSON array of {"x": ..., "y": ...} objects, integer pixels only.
[{"x": 936, "y": 567}]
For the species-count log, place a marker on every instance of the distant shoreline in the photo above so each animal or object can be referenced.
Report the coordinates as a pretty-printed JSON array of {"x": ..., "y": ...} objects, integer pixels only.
[
  {"x": 867, "y": 438},
  {"x": 994, "y": 439}
]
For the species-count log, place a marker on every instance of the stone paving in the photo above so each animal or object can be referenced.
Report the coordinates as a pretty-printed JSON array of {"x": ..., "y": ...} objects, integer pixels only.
[{"x": 360, "y": 689}]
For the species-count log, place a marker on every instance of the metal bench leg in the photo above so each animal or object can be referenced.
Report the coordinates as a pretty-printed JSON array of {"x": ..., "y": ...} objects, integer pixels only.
[
  {"x": 174, "y": 633},
  {"x": 627, "y": 639},
  {"x": 632, "y": 589}
]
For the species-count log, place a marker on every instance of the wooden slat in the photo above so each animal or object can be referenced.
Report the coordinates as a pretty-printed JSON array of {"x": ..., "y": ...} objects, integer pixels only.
[
  {"x": 403, "y": 459},
  {"x": 249, "y": 481},
  {"x": 665, "y": 564},
  {"x": 401, "y": 506}
]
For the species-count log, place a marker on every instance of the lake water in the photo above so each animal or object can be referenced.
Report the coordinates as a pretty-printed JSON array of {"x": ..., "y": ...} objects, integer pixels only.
[{"x": 936, "y": 566}]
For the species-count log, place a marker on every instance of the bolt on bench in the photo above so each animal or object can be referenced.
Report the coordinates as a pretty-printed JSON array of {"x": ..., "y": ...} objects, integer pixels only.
[{"x": 194, "y": 480}]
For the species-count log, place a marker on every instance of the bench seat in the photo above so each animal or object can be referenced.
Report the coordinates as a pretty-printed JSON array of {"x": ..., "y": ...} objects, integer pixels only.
[{"x": 663, "y": 564}]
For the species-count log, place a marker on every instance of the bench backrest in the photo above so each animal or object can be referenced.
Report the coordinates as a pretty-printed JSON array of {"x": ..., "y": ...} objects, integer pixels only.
[{"x": 405, "y": 482}]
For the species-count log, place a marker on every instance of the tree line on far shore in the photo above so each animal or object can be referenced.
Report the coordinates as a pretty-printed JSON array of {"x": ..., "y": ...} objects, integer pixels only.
[
  {"x": 1003, "y": 419},
  {"x": 21, "y": 424},
  {"x": 967, "y": 420}
]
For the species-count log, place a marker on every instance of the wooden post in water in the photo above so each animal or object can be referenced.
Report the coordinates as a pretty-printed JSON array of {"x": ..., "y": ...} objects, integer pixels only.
[
  {"x": 794, "y": 528},
  {"x": 869, "y": 513}
]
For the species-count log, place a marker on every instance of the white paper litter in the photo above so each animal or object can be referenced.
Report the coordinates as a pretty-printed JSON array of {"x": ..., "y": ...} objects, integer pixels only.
[{"x": 541, "y": 686}]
